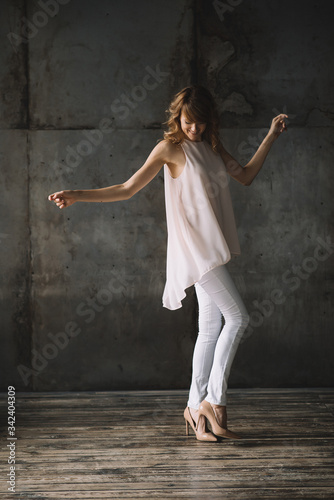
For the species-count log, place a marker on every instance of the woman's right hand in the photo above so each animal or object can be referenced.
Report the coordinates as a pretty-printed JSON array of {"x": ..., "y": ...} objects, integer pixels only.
[{"x": 63, "y": 199}]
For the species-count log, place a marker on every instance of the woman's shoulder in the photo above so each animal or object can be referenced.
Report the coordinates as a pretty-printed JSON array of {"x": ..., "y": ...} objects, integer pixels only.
[
  {"x": 168, "y": 145},
  {"x": 168, "y": 149}
]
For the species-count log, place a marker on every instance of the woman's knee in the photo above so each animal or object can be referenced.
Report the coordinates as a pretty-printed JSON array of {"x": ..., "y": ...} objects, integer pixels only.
[
  {"x": 239, "y": 318},
  {"x": 245, "y": 318},
  {"x": 209, "y": 320},
  {"x": 210, "y": 328}
]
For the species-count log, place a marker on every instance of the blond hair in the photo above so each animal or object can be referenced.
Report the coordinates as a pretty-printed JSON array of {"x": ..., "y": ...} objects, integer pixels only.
[{"x": 198, "y": 105}]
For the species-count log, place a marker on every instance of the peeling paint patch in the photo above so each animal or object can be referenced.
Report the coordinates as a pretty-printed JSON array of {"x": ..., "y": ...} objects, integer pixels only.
[{"x": 215, "y": 53}]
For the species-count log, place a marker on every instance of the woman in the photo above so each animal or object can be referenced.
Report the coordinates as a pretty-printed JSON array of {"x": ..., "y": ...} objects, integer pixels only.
[{"x": 202, "y": 238}]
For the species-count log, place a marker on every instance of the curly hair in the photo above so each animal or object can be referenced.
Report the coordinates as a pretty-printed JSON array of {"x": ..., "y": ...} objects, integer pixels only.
[{"x": 198, "y": 105}]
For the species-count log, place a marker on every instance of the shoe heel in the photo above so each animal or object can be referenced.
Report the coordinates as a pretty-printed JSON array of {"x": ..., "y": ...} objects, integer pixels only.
[
  {"x": 205, "y": 436},
  {"x": 207, "y": 410}
]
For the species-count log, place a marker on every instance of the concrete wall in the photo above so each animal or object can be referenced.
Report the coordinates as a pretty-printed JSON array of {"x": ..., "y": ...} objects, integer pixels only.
[{"x": 84, "y": 88}]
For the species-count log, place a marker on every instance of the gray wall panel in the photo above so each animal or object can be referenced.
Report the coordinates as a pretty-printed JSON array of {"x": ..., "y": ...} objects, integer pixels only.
[{"x": 81, "y": 288}]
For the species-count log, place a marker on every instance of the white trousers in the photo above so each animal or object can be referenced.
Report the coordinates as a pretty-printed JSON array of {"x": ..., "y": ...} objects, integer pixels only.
[{"x": 215, "y": 347}]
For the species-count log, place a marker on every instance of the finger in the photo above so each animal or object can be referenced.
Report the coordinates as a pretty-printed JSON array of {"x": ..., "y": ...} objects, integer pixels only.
[
  {"x": 53, "y": 196},
  {"x": 280, "y": 117},
  {"x": 57, "y": 194},
  {"x": 59, "y": 202}
]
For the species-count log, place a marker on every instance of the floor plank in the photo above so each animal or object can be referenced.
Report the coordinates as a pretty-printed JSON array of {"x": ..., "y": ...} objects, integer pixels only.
[{"x": 108, "y": 445}]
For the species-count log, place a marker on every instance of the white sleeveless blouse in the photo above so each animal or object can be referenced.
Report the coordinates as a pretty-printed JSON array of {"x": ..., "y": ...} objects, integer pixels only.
[{"x": 201, "y": 227}]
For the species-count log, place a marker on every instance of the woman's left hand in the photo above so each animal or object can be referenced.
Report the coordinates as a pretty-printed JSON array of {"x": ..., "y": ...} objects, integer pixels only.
[{"x": 278, "y": 126}]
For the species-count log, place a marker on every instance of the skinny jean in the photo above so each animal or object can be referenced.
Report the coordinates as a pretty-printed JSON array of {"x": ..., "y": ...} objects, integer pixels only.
[{"x": 216, "y": 346}]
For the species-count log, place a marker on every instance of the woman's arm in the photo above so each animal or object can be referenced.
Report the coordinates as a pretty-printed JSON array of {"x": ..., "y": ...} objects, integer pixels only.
[
  {"x": 118, "y": 192},
  {"x": 247, "y": 174}
]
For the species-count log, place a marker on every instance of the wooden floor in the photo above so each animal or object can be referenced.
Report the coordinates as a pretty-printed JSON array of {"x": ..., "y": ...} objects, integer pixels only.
[{"x": 133, "y": 445}]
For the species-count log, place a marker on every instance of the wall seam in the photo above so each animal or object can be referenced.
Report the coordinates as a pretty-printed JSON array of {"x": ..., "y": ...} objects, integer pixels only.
[
  {"x": 195, "y": 38},
  {"x": 28, "y": 156}
]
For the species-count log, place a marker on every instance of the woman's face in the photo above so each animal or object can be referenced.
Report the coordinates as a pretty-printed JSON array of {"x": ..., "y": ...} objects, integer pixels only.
[{"x": 193, "y": 131}]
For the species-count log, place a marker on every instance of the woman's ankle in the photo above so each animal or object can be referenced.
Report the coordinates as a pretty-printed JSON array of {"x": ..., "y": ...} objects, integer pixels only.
[
  {"x": 218, "y": 406},
  {"x": 221, "y": 414}
]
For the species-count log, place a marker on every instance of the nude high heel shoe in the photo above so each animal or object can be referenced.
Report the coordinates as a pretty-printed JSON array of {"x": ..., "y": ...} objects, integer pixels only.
[
  {"x": 207, "y": 410},
  {"x": 205, "y": 436}
]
